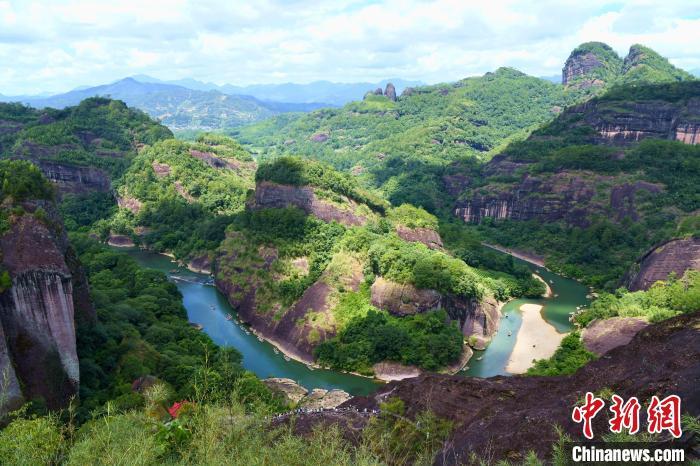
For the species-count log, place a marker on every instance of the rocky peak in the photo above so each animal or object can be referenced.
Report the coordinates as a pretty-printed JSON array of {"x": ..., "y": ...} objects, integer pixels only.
[
  {"x": 591, "y": 64},
  {"x": 390, "y": 92},
  {"x": 644, "y": 64}
]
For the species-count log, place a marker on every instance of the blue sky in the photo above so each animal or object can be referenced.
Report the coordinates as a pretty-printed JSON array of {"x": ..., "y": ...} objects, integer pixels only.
[{"x": 53, "y": 46}]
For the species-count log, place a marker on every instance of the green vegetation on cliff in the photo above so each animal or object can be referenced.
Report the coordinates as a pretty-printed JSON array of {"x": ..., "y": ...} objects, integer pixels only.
[
  {"x": 21, "y": 180},
  {"x": 403, "y": 147},
  {"x": 99, "y": 132},
  {"x": 141, "y": 335},
  {"x": 631, "y": 194},
  {"x": 644, "y": 64},
  {"x": 297, "y": 172},
  {"x": 421, "y": 340}
]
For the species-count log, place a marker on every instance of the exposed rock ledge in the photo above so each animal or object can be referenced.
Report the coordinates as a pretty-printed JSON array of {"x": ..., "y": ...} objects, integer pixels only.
[
  {"x": 200, "y": 264},
  {"x": 273, "y": 195},
  {"x": 675, "y": 256},
  {"x": 478, "y": 320},
  {"x": 427, "y": 236},
  {"x": 603, "y": 335},
  {"x": 297, "y": 395},
  {"x": 389, "y": 371},
  {"x": 120, "y": 241}
]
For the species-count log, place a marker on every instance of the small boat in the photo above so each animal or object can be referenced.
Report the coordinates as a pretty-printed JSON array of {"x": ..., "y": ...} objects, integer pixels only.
[
  {"x": 260, "y": 339},
  {"x": 247, "y": 332},
  {"x": 286, "y": 358},
  {"x": 229, "y": 317},
  {"x": 310, "y": 367},
  {"x": 510, "y": 333},
  {"x": 551, "y": 281},
  {"x": 479, "y": 358},
  {"x": 276, "y": 350},
  {"x": 556, "y": 295}
]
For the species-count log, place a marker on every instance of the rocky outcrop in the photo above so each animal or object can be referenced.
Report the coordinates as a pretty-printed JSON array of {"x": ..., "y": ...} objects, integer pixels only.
[
  {"x": 129, "y": 203},
  {"x": 161, "y": 169},
  {"x": 296, "y": 395},
  {"x": 320, "y": 398},
  {"x": 277, "y": 196},
  {"x": 320, "y": 137},
  {"x": 390, "y": 92},
  {"x": 390, "y": 371},
  {"x": 558, "y": 197},
  {"x": 120, "y": 241},
  {"x": 675, "y": 256},
  {"x": 623, "y": 198},
  {"x": 403, "y": 299},
  {"x": 580, "y": 66},
  {"x": 39, "y": 310},
  {"x": 602, "y": 335},
  {"x": 75, "y": 179},
  {"x": 569, "y": 196},
  {"x": 200, "y": 264},
  {"x": 219, "y": 163},
  {"x": 628, "y": 121},
  {"x": 292, "y": 391},
  {"x": 661, "y": 360},
  {"x": 478, "y": 320},
  {"x": 427, "y": 236}
]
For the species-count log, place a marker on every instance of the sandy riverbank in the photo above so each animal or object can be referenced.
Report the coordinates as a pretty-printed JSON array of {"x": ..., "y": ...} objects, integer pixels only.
[
  {"x": 548, "y": 293},
  {"x": 536, "y": 339}
]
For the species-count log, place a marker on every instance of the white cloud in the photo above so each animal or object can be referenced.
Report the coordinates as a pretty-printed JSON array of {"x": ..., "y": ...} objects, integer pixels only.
[{"x": 56, "y": 45}]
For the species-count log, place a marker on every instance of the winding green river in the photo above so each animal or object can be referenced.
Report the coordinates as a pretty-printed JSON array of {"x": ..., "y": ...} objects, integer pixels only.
[
  {"x": 567, "y": 295},
  {"x": 206, "y": 306}
]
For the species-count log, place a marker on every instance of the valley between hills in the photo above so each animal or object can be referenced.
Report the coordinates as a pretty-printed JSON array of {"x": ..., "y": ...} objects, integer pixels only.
[{"x": 363, "y": 242}]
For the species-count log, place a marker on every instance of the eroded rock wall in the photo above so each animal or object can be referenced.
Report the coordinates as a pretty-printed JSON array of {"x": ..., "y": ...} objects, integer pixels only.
[
  {"x": 478, "y": 319},
  {"x": 273, "y": 195},
  {"x": 675, "y": 256},
  {"x": 38, "y": 312}
]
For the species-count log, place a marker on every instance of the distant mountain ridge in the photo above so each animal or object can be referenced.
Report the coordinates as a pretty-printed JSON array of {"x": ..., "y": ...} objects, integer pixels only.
[
  {"x": 178, "y": 107},
  {"x": 335, "y": 94}
]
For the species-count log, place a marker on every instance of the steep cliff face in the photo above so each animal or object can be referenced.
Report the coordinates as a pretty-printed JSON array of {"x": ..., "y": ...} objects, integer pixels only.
[
  {"x": 592, "y": 64},
  {"x": 628, "y": 122},
  {"x": 39, "y": 310},
  {"x": 478, "y": 320},
  {"x": 675, "y": 256},
  {"x": 550, "y": 192},
  {"x": 569, "y": 196},
  {"x": 75, "y": 179},
  {"x": 273, "y": 195}
]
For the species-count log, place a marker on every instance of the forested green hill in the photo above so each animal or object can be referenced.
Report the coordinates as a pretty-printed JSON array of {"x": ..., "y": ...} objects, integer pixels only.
[{"x": 403, "y": 146}]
